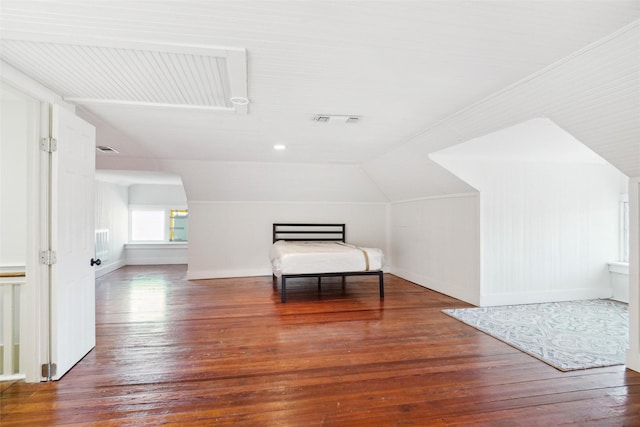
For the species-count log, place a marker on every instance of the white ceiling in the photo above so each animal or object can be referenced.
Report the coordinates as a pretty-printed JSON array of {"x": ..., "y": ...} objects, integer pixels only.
[
  {"x": 130, "y": 177},
  {"x": 404, "y": 66}
]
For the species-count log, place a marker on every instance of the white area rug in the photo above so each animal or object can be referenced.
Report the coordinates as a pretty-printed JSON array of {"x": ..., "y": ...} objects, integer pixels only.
[{"x": 567, "y": 335}]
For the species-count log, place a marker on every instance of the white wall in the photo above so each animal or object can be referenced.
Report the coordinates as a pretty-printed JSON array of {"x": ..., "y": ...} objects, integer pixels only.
[
  {"x": 112, "y": 215},
  {"x": 549, "y": 231},
  {"x": 19, "y": 118},
  {"x": 549, "y": 213},
  {"x": 435, "y": 242},
  {"x": 233, "y": 239},
  {"x": 274, "y": 182},
  {"x": 157, "y": 194}
]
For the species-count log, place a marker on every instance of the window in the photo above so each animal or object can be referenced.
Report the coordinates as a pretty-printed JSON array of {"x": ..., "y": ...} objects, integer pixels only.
[
  {"x": 178, "y": 225},
  {"x": 153, "y": 224}
]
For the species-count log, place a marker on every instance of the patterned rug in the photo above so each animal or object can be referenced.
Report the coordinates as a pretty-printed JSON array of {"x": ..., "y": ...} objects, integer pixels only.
[{"x": 567, "y": 335}]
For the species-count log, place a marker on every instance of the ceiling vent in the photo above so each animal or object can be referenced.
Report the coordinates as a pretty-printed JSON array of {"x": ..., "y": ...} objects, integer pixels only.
[
  {"x": 106, "y": 149},
  {"x": 333, "y": 118}
]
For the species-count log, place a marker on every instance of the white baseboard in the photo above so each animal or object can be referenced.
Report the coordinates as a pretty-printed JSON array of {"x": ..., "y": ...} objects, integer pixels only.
[
  {"x": 544, "y": 296},
  {"x": 465, "y": 294},
  {"x": 157, "y": 261},
  {"x": 108, "y": 268}
]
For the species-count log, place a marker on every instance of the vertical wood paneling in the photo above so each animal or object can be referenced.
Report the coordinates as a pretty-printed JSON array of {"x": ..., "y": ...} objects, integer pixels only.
[
  {"x": 112, "y": 215},
  {"x": 436, "y": 243},
  {"x": 549, "y": 213}
]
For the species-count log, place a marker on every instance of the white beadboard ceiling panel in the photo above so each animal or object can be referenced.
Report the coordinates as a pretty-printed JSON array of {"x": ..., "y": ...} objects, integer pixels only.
[
  {"x": 136, "y": 74},
  {"x": 405, "y": 67},
  {"x": 594, "y": 95}
]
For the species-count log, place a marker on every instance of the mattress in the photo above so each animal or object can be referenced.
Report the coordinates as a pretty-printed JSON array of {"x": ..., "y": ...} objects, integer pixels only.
[{"x": 323, "y": 257}]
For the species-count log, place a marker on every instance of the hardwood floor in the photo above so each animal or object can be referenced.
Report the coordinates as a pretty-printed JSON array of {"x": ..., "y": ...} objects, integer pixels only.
[{"x": 227, "y": 352}]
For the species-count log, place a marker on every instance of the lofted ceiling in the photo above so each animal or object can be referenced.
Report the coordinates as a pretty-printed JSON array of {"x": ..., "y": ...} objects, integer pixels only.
[{"x": 156, "y": 77}]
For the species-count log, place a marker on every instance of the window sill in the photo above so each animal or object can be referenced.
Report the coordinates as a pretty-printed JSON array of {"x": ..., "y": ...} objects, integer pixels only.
[
  {"x": 619, "y": 267},
  {"x": 156, "y": 245}
]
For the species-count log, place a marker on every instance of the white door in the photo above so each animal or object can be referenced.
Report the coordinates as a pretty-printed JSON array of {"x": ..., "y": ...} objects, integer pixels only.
[{"x": 72, "y": 239}]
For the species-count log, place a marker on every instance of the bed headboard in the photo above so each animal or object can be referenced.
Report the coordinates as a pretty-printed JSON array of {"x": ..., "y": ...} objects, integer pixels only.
[{"x": 309, "y": 232}]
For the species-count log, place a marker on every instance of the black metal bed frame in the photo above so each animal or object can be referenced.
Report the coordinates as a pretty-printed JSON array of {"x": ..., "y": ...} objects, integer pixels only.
[{"x": 316, "y": 233}]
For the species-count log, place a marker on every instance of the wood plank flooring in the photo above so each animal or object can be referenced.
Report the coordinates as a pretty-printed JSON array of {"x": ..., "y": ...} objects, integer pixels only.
[{"x": 227, "y": 352}]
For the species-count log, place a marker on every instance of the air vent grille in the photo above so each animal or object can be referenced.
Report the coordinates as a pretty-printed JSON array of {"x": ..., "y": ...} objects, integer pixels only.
[
  {"x": 106, "y": 149},
  {"x": 336, "y": 118}
]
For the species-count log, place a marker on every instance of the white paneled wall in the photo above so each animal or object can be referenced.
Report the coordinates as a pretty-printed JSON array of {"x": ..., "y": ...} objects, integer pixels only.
[
  {"x": 549, "y": 213},
  {"x": 549, "y": 231},
  {"x": 112, "y": 219},
  {"x": 234, "y": 238},
  {"x": 435, "y": 242}
]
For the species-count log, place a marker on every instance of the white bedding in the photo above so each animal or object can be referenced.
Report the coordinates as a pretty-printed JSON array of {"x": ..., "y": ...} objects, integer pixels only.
[{"x": 323, "y": 257}]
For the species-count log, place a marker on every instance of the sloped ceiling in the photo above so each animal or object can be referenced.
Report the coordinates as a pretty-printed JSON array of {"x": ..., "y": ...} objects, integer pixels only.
[
  {"x": 594, "y": 95},
  {"x": 413, "y": 70}
]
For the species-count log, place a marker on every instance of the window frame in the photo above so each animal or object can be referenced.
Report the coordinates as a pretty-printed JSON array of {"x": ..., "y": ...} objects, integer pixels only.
[
  {"x": 166, "y": 223},
  {"x": 624, "y": 228}
]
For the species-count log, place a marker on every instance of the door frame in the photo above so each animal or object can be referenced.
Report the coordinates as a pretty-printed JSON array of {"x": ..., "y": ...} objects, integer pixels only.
[{"x": 34, "y": 323}]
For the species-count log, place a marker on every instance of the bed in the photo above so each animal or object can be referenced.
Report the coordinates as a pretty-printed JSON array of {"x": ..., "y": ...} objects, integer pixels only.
[{"x": 320, "y": 250}]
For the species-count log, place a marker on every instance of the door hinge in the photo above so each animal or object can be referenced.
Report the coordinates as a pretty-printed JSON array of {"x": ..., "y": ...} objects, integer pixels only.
[
  {"x": 48, "y": 145},
  {"x": 49, "y": 370},
  {"x": 48, "y": 257}
]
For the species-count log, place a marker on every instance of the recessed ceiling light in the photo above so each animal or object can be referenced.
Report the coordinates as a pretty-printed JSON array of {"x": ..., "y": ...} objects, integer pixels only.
[
  {"x": 239, "y": 100},
  {"x": 279, "y": 147}
]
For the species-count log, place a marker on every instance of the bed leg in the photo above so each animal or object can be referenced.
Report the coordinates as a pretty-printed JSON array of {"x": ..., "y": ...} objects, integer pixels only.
[
  {"x": 283, "y": 293},
  {"x": 381, "y": 281},
  {"x": 319, "y": 282},
  {"x": 343, "y": 282}
]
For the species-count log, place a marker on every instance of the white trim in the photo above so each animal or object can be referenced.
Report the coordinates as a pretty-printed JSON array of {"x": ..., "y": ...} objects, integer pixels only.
[
  {"x": 457, "y": 291},
  {"x": 156, "y": 245},
  {"x": 159, "y": 105},
  {"x": 633, "y": 354},
  {"x": 544, "y": 296},
  {"x": 156, "y": 260},
  {"x": 108, "y": 268},
  {"x": 618, "y": 267},
  {"x": 128, "y": 44},
  {"x": 444, "y": 196},
  {"x": 13, "y": 268}
]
